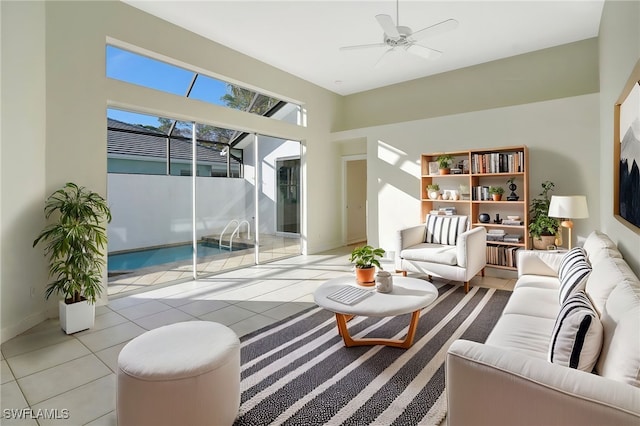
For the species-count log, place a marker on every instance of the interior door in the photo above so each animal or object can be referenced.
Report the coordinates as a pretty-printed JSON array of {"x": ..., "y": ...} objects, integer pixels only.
[{"x": 356, "y": 192}]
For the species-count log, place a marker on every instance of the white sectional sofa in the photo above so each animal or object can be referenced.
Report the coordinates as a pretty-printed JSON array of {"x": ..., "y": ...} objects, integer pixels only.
[{"x": 509, "y": 379}]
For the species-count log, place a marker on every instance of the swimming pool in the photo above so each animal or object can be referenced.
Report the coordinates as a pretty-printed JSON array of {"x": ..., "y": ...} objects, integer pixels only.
[{"x": 158, "y": 256}]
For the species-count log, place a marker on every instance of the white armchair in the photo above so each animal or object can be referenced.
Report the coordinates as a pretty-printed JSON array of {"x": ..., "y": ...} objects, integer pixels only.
[{"x": 444, "y": 247}]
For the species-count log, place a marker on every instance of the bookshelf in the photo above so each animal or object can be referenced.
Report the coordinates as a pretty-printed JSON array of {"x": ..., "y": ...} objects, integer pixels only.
[{"x": 466, "y": 190}]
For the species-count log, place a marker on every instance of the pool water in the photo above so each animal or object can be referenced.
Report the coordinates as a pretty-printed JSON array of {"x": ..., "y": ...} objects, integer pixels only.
[{"x": 158, "y": 256}]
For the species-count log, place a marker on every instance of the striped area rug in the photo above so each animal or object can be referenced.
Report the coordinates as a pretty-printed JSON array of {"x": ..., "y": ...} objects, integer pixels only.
[{"x": 298, "y": 372}]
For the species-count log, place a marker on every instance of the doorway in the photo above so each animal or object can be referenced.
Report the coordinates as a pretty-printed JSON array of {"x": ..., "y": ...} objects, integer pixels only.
[
  {"x": 288, "y": 207},
  {"x": 355, "y": 199}
]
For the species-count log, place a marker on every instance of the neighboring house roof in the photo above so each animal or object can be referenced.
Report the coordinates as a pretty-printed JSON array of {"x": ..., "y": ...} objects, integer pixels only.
[{"x": 132, "y": 140}]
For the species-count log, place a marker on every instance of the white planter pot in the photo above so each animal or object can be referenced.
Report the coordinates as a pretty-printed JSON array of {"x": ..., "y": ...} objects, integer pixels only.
[{"x": 76, "y": 316}]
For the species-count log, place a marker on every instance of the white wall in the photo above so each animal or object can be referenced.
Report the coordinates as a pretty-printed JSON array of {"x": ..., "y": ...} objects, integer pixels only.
[
  {"x": 562, "y": 136},
  {"x": 619, "y": 52},
  {"x": 156, "y": 210},
  {"x": 22, "y": 171}
]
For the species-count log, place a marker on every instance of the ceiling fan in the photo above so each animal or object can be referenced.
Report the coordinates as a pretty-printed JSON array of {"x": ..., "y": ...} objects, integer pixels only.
[{"x": 401, "y": 38}]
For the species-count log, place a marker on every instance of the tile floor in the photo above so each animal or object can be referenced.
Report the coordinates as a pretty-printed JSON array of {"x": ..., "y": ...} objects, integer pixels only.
[{"x": 73, "y": 376}]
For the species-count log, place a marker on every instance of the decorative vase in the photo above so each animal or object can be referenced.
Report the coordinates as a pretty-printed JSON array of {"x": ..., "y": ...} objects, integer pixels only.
[
  {"x": 433, "y": 195},
  {"x": 366, "y": 276},
  {"x": 384, "y": 282},
  {"x": 484, "y": 218}
]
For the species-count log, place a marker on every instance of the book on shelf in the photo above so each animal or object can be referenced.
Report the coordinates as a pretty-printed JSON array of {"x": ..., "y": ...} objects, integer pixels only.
[
  {"x": 502, "y": 256},
  {"x": 513, "y": 238},
  {"x": 450, "y": 211},
  {"x": 496, "y": 231},
  {"x": 512, "y": 222},
  {"x": 497, "y": 162}
]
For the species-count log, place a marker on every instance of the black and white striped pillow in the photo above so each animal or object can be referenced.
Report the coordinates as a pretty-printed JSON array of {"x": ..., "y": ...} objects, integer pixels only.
[
  {"x": 574, "y": 279},
  {"x": 573, "y": 256},
  {"x": 444, "y": 229},
  {"x": 577, "y": 336}
]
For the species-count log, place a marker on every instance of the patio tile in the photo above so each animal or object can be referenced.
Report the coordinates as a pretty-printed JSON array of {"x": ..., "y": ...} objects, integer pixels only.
[
  {"x": 41, "y": 359},
  {"x": 287, "y": 309},
  {"x": 110, "y": 355},
  {"x": 228, "y": 315},
  {"x": 85, "y": 404},
  {"x": 202, "y": 307},
  {"x": 56, "y": 380},
  {"x": 251, "y": 324},
  {"x": 109, "y": 419},
  {"x": 160, "y": 319},
  {"x": 11, "y": 396},
  {"x": 31, "y": 341},
  {"x": 108, "y": 337},
  {"x": 143, "y": 309},
  {"x": 6, "y": 373}
]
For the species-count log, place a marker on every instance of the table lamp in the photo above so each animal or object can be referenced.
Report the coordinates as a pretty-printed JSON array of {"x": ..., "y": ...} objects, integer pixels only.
[{"x": 567, "y": 207}]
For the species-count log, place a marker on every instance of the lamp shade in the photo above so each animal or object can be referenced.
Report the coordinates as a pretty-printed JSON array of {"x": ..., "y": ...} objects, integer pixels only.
[{"x": 568, "y": 207}]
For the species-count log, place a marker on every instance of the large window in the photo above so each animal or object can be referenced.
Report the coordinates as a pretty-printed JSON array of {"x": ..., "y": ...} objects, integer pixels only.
[
  {"x": 154, "y": 74},
  {"x": 145, "y": 144}
]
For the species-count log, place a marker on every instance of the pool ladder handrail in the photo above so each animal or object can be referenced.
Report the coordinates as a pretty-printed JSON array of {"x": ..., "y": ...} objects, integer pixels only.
[{"x": 236, "y": 232}]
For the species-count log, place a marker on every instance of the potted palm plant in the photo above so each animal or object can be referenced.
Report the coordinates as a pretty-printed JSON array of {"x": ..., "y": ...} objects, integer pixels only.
[
  {"x": 542, "y": 228},
  {"x": 74, "y": 243},
  {"x": 365, "y": 259}
]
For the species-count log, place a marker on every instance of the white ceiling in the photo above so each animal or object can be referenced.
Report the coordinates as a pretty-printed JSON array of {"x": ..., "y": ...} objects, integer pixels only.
[{"x": 303, "y": 37}]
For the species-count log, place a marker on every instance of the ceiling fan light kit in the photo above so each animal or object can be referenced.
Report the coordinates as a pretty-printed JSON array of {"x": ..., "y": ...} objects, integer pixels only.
[{"x": 399, "y": 36}]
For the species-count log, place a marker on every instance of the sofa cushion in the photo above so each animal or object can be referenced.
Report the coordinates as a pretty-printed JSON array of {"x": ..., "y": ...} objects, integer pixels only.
[
  {"x": 620, "y": 356},
  {"x": 599, "y": 245},
  {"x": 534, "y": 301},
  {"x": 574, "y": 279},
  {"x": 523, "y": 333},
  {"x": 434, "y": 253},
  {"x": 444, "y": 229},
  {"x": 577, "y": 334},
  {"x": 604, "y": 277}
]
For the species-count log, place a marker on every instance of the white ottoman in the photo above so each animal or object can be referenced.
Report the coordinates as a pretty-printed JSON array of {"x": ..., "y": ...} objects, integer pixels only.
[{"x": 186, "y": 373}]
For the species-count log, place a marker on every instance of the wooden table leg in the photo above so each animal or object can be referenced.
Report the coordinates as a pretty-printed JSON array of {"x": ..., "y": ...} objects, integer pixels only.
[{"x": 341, "y": 320}]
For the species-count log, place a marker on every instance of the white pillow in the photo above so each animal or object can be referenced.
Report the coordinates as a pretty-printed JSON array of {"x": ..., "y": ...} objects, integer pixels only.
[
  {"x": 444, "y": 229},
  {"x": 574, "y": 279},
  {"x": 577, "y": 336}
]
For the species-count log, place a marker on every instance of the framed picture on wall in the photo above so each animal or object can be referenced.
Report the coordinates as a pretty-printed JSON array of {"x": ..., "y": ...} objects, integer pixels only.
[{"x": 626, "y": 149}]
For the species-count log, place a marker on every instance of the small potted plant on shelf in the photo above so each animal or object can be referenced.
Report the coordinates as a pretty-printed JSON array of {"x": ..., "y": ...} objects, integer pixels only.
[
  {"x": 496, "y": 192},
  {"x": 365, "y": 259},
  {"x": 74, "y": 243},
  {"x": 444, "y": 163},
  {"x": 433, "y": 190},
  {"x": 542, "y": 228}
]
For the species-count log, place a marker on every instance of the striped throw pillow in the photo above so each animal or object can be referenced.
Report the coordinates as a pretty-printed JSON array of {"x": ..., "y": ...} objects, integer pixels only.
[
  {"x": 573, "y": 256},
  {"x": 444, "y": 229},
  {"x": 577, "y": 336},
  {"x": 574, "y": 279}
]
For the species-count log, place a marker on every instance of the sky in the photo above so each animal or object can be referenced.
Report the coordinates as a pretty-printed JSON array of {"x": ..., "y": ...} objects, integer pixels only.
[{"x": 137, "y": 69}]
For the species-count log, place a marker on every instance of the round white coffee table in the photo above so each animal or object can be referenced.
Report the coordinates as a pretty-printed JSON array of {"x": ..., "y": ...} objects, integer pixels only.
[{"x": 409, "y": 295}]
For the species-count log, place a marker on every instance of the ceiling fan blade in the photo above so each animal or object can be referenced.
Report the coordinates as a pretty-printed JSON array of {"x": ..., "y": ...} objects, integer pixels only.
[
  {"x": 385, "y": 57},
  {"x": 423, "y": 51},
  {"x": 389, "y": 28},
  {"x": 436, "y": 29},
  {"x": 362, "y": 46}
]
